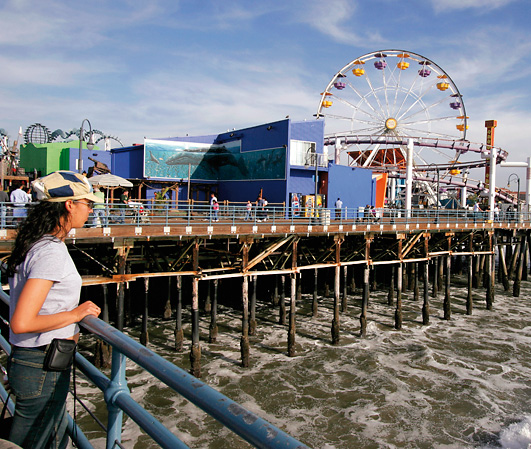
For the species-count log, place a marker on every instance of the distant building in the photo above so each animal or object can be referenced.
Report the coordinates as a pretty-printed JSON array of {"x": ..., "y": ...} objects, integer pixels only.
[{"x": 277, "y": 160}]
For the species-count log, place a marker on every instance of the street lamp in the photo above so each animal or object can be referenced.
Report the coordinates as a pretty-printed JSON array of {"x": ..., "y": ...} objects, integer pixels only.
[
  {"x": 90, "y": 144},
  {"x": 518, "y": 193}
]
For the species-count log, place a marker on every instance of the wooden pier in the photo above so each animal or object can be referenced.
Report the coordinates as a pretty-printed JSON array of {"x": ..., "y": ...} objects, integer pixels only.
[{"x": 273, "y": 260}]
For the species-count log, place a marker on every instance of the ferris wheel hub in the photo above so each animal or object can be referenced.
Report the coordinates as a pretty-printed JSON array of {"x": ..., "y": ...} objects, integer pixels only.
[{"x": 390, "y": 124}]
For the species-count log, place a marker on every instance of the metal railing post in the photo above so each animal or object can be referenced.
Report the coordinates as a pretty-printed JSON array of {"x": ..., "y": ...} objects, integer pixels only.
[{"x": 117, "y": 386}]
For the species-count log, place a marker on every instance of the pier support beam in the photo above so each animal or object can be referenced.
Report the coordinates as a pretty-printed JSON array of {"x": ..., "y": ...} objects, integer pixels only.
[
  {"x": 282, "y": 301},
  {"x": 469, "y": 302},
  {"x": 391, "y": 290},
  {"x": 195, "y": 352},
  {"x": 337, "y": 280},
  {"x": 520, "y": 266},
  {"x": 398, "y": 310},
  {"x": 490, "y": 274},
  {"x": 179, "y": 336},
  {"x": 213, "y": 328},
  {"x": 103, "y": 351},
  {"x": 144, "y": 337},
  {"x": 314, "y": 298},
  {"x": 435, "y": 285},
  {"x": 344, "y": 298},
  {"x": 244, "y": 341},
  {"x": 503, "y": 267},
  {"x": 292, "y": 315},
  {"x": 364, "y": 302},
  {"x": 120, "y": 294},
  {"x": 252, "y": 308},
  {"x": 426, "y": 299},
  {"x": 167, "y": 306},
  {"x": 447, "y": 309}
]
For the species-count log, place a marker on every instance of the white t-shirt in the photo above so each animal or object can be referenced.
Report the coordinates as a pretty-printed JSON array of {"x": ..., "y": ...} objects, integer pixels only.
[{"x": 47, "y": 259}]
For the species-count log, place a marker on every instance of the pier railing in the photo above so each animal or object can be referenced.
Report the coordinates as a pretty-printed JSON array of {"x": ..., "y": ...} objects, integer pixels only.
[
  {"x": 253, "y": 429},
  {"x": 183, "y": 213}
]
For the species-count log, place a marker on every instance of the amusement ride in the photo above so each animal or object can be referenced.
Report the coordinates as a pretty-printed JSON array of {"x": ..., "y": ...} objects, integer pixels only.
[{"x": 377, "y": 103}]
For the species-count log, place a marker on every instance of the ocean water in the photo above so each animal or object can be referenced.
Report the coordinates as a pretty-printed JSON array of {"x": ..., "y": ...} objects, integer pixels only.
[{"x": 463, "y": 383}]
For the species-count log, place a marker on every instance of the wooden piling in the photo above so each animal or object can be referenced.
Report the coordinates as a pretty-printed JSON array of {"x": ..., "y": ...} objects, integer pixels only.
[
  {"x": 120, "y": 286},
  {"x": 364, "y": 302},
  {"x": 398, "y": 310},
  {"x": 391, "y": 289},
  {"x": 244, "y": 341},
  {"x": 435, "y": 284},
  {"x": 447, "y": 310},
  {"x": 314, "y": 298},
  {"x": 195, "y": 352},
  {"x": 503, "y": 267},
  {"x": 292, "y": 313},
  {"x": 426, "y": 301},
  {"x": 344, "y": 298},
  {"x": 252, "y": 307},
  {"x": 335, "y": 321},
  {"x": 178, "y": 332},
  {"x": 167, "y": 307},
  {"x": 274, "y": 300},
  {"x": 282, "y": 302},
  {"x": 103, "y": 351},
  {"x": 520, "y": 266},
  {"x": 213, "y": 327},
  {"x": 470, "y": 269},
  {"x": 144, "y": 336},
  {"x": 208, "y": 298}
]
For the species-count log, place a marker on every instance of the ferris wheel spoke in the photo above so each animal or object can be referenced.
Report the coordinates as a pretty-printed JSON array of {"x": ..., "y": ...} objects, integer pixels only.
[
  {"x": 355, "y": 108},
  {"x": 418, "y": 101},
  {"x": 377, "y": 113},
  {"x": 373, "y": 94},
  {"x": 425, "y": 109}
]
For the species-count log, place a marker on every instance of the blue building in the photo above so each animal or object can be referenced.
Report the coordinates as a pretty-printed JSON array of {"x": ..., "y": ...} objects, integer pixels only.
[{"x": 281, "y": 160}]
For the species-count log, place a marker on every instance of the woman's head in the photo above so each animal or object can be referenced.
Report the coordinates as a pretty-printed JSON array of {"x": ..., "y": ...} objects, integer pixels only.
[{"x": 65, "y": 201}]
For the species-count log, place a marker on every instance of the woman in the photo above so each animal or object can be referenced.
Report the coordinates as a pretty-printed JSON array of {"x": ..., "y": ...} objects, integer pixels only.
[{"x": 44, "y": 305}]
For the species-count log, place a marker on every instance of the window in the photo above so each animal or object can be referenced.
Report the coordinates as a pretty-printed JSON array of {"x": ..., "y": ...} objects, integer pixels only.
[{"x": 302, "y": 153}]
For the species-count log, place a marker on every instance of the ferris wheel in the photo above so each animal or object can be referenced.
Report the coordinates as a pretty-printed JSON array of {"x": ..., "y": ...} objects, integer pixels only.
[{"x": 378, "y": 101}]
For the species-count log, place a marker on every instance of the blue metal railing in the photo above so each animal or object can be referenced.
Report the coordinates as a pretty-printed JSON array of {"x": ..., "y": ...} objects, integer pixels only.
[
  {"x": 187, "y": 214},
  {"x": 246, "y": 424}
]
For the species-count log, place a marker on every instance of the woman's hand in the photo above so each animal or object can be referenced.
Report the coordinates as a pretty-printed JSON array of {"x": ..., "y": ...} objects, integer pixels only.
[{"x": 87, "y": 308}]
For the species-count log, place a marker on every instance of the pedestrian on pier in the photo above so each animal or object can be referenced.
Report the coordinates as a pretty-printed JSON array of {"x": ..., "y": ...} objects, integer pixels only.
[
  {"x": 44, "y": 309},
  {"x": 338, "y": 206},
  {"x": 98, "y": 211},
  {"x": 215, "y": 209},
  {"x": 249, "y": 211},
  {"x": 122, "y": 205}
]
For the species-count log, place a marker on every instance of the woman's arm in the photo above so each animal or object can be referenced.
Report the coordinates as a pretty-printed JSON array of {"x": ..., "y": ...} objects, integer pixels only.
[{"x": 26, "y": 318}]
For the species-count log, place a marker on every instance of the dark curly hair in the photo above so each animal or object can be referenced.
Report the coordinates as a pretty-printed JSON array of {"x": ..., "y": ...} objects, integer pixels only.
[{"x": 43, "y": 218}]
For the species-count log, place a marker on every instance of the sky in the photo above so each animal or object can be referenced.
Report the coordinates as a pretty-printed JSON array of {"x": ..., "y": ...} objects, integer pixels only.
[{"x": 166, "y": 68}]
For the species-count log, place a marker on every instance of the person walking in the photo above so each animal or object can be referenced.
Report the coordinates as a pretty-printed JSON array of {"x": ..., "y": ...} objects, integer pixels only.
[
  {"x": 44, "y": 308},
  {"x": 215, "y": 209},
  {"x": 4, "y": 199},
  {"x": 338, "y": 206},
  {"x": 124, "y": 201},
  {"x": 249, "y": 210},
  {"x": 98, "y": 211},
  {"x": 19, "y": 198}
]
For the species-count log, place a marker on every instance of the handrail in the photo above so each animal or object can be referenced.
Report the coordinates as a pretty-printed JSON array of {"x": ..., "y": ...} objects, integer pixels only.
[
  {"x": 184, "y": 214},
  {"x": 246, "y": 424}
]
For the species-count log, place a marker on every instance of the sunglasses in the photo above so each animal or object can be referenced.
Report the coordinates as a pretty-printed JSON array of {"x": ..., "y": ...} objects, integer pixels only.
[{"x": 89, "y": 204}]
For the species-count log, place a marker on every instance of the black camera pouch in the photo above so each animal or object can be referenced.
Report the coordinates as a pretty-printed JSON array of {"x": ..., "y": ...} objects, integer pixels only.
[{"x": 59, "y": 355}]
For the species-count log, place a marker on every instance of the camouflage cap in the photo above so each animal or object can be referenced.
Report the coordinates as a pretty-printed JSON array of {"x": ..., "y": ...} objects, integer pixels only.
[{"x": 62, "y": 186}]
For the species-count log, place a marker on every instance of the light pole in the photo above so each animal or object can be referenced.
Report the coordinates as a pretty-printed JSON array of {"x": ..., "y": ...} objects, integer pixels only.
[
  {"x": 518, "y": 192},
  {"x": 90, "y": 144}
]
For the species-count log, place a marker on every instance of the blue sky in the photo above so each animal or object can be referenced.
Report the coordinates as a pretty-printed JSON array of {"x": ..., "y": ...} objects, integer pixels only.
[{"x": 162, "y": 68}]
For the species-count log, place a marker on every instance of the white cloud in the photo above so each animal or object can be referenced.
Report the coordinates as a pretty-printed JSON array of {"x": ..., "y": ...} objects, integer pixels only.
[{"x": 486, "y": 5}]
